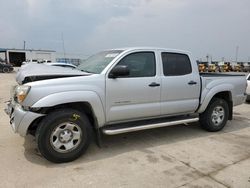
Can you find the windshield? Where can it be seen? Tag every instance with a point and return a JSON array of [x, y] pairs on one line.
[[98, 62]]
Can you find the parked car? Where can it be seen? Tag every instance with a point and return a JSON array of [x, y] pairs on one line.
[[228, 67], [118, 91], [44, 61], [29, 61], [220, 66], [248, 88], [212, 68], [6, 68], [246, 67], [202, 67], [66, 65], [234, 67]]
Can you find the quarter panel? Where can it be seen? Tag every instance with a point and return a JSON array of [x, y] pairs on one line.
[[213, 85], [207, 95]]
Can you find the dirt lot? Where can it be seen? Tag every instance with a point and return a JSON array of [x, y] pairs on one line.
[[168, 157]]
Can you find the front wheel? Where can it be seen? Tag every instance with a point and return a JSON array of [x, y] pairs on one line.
[[215, 116], [63, 135]]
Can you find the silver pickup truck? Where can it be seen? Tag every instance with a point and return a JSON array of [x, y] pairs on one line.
[[118, 91]]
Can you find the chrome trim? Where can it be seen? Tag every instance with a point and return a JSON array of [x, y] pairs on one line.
[[150, 126]]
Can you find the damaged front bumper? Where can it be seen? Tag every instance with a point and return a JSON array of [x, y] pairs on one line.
[[20, 119]]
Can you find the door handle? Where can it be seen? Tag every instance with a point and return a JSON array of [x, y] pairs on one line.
[[192, 82], [154, 84]]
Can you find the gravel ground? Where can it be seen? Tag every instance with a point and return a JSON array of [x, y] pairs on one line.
[[177, 156]]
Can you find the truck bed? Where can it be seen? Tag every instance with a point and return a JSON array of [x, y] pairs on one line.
[[207, 74], [233, 81]]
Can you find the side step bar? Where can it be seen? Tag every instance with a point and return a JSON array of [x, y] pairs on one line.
[[118, 130]]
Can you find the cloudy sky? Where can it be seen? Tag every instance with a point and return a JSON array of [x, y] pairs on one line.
[[214, 27]]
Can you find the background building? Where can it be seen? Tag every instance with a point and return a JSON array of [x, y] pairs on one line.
[[17, 56]]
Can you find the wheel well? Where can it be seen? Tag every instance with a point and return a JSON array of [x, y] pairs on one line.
[[227, 96], [80, 106]]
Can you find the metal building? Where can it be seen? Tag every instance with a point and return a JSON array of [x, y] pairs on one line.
[[17, 56]]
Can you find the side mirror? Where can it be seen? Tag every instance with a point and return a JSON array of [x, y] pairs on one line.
[[119, 71]]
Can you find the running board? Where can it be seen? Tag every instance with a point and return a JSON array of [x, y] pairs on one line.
[[116, 129]]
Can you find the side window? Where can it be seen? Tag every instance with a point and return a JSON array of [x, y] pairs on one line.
[[140, 64], [175, 64]]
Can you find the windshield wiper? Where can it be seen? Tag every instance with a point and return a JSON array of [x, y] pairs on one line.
[[86, 71]]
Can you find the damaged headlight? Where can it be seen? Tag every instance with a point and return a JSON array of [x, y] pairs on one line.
[[21, 92]]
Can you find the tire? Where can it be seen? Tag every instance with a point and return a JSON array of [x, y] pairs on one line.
[[6, 70], [215, 116], [64, 135], [248, 99]]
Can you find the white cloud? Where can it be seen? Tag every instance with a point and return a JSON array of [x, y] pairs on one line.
[[215, 27], [202, 27]]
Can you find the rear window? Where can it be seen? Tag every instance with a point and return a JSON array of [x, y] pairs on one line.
[[175, 64]]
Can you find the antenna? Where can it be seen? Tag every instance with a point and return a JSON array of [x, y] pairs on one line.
[[24, 42]]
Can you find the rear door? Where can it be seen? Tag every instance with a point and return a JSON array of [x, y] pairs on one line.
[[135, 96], [180, 86]]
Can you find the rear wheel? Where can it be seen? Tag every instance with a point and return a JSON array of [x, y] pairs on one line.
[[215, 116], [64, 135], [6, 70]]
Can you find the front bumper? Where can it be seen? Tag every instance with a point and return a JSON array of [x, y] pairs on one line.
[[20, 119]]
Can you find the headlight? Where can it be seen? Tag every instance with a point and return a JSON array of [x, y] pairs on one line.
[[21, 92]]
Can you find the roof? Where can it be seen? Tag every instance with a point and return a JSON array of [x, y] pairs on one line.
[[151, 48], [10, 49]]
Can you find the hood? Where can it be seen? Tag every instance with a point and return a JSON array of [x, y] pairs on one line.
[[35, 72]]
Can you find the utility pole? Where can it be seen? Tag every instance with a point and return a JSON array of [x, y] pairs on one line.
[[236, 54], [207, 56], [24, 42], [63, 47]]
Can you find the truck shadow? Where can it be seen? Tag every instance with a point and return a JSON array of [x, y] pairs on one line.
[[137, 141]]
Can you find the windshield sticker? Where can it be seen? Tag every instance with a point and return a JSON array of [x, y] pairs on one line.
[[112, 55]]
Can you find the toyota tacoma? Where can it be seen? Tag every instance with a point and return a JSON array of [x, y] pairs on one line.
[[118, 91]]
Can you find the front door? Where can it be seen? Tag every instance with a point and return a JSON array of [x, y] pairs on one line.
[[137, 95]]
